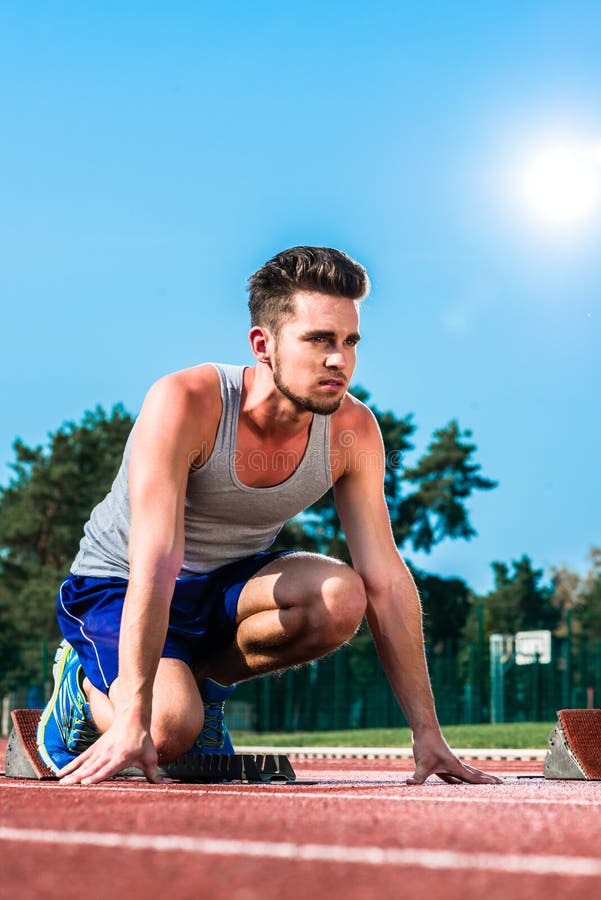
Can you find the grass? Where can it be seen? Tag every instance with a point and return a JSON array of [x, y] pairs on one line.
[[519, 735]]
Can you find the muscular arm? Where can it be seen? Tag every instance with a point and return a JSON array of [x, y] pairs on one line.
[[393, 607], [394, 610], [165, 443], [158, 472]]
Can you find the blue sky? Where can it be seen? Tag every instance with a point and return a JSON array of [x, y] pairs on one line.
[[154, 156]]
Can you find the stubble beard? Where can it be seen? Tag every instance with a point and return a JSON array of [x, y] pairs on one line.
[[324, 407]]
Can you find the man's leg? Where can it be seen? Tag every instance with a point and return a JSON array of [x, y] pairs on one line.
[[297, 608], [177, 710]]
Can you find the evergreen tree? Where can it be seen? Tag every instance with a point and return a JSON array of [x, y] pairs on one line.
[[518, 602], [589, 611], [444, 478], [446, 605], [42, 513]]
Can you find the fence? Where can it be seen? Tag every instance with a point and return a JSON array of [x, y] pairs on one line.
[[348, 689]]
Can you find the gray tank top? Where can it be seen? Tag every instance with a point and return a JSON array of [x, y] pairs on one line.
[[224, 520]]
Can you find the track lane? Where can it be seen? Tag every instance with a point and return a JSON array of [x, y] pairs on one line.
[[524, 838]]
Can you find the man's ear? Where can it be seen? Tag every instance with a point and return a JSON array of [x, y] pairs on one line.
[[261, 342]]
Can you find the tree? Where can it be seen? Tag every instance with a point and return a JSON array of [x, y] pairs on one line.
[[446, 605], [591, 616], [518, 602], [581, 596], [444, 478], [42, 512]]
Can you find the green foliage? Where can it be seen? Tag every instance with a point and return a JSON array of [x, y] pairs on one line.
[[446, 605], [518, 602], [363, 659], [589, 609], [42, 513], [444, 478]]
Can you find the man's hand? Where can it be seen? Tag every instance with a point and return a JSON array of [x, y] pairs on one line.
[[433, 756], [121, 747]]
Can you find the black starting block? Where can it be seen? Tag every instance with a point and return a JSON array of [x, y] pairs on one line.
[[245, 767], [23, 761]]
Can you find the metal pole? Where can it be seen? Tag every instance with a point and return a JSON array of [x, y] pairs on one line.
[[469, 687], [339, 710], [289, 700], [479, 667], [497, 710], [567, 670], [536, 688], [266, 704]]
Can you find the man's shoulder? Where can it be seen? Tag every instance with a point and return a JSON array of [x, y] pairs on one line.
[[353, 414], [202, 377], [181, 411], [184, 399], [188, 389], [355, 437]]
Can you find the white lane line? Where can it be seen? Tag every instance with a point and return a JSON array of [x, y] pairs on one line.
[[395, 753], [292, 793], [535, 864]]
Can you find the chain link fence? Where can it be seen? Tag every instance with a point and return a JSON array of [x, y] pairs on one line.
[[348, 689]]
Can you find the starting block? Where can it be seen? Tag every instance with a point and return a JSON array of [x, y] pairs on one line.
[[245, 767], [23, 761], [575, 746]]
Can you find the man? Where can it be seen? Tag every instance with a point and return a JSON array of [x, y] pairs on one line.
[[174, 586]]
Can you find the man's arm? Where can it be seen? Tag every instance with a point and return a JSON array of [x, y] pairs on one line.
[[163, 448], [393, 605]]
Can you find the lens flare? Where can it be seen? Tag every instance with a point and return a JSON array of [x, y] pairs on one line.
[[561, 184]]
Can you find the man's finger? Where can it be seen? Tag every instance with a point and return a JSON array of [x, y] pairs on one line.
[[476, 776], [423, 776], [154, 777], [88, 764], [94, 770], [456, 773], [111, 768], [85, 771], [75, 763], [101, 774], [420, 775], [450, 779]]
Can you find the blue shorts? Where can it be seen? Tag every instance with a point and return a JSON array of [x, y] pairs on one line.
[[202, 616]]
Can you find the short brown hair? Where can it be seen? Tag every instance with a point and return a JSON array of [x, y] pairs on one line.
[[271, 289]]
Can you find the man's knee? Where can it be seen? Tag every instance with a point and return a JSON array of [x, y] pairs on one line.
[[174, 735], [331, 615], [177, 711]]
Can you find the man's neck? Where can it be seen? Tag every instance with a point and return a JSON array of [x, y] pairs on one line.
[[267, 411]]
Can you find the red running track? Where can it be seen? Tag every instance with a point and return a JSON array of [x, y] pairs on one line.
[[357, 832]]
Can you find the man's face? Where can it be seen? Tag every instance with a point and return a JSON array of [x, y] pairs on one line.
[[315, 352]]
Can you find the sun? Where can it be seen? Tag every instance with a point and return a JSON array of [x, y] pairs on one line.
[[560, 184]]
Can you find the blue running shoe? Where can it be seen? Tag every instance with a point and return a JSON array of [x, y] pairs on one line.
[[66, 728], [214, 737]]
